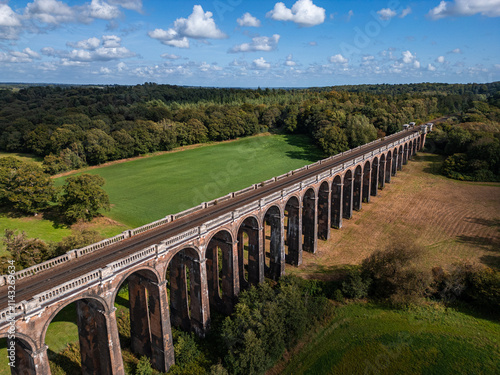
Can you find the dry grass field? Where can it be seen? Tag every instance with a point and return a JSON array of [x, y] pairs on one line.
[[452, 220]]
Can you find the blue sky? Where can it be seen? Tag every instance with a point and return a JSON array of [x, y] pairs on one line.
[[249, 43]]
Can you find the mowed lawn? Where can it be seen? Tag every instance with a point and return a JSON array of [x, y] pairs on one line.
[[368, 339], [146, 189]]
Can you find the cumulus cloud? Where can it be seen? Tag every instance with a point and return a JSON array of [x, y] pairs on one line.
[[259, 43], [26, 55], [289, 61], [431, 68], [8, 18], [102, 10], [386, 13], [440, 59], [338, 59], [456, 50], [409, 58], [248, 20], [93, 49], [50, 11], [199, 25], [260, 64], [457, 8], [303, 12]]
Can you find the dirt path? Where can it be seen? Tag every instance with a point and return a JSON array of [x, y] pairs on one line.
[[454, 220]]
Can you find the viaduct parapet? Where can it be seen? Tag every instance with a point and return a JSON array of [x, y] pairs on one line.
[[184, 266]]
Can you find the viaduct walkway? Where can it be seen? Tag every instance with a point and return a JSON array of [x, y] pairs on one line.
[[204, 256]]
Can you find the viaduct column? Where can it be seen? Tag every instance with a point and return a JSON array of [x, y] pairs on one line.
[[324, 214], [381, 174], [310, 222], [336, 202], [366, 183], [30, 362], [294, 233]]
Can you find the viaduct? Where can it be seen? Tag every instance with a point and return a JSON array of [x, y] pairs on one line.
[[220, 246]]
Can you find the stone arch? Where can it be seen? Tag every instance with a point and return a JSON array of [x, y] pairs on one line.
[[395, 161], [347, 195], [185, 273], [406, 151], [273, 241], [222, 275], [23, 354], [309, 221], [336, 203], [400, 158], [150, 332], [324, 211], [92, 313], [250, 260], [357, 188], [293, 231], [388, 167], [374, 176], [381, 172], [367, 172]]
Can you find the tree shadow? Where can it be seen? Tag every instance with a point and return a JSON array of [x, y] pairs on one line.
[[308, 151], [435, 163], [67, 364], [57, 218]]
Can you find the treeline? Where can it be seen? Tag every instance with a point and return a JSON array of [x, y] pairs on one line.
[[75, 126], [471, 143]]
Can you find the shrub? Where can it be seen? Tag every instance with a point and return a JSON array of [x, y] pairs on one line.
[[354, 286], [144, 367]]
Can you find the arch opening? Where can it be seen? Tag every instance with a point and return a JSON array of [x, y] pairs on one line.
[[309, 221], [381, 172], [324, 211], [293, 232], [357, 188], [336, 203], [249, 258], [367, 173], [274, 248], [347, 199]]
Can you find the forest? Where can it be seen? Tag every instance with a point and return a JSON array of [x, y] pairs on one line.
[[75, 126]]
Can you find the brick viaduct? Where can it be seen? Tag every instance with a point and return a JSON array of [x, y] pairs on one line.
[[274, 221]]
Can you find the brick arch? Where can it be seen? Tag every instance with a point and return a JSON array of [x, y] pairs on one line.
[[92, 313], [323, 210], [274, 265], [293, 230], [309, 220], [222, 279], [140, 269], [186, 299], [249, 225], [24, 348]]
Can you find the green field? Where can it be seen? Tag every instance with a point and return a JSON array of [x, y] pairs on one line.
[[369, 339], [147, 189]]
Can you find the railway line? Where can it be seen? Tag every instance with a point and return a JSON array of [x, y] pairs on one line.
[[30, 286]]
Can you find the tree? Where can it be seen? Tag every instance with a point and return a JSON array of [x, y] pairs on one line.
[[24, 186], [83, 197], [25, 251], [332, 140], [360, 131]]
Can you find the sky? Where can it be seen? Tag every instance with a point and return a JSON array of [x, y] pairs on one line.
[[249, 43]]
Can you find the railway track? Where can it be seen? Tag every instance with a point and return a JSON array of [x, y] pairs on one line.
[[27, 287]]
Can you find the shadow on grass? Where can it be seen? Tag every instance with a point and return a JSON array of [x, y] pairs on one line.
[[67, 364], [435, 163], [67, 314], [308, 151]]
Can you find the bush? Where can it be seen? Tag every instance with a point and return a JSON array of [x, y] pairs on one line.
[[354, 286], [144, 367]]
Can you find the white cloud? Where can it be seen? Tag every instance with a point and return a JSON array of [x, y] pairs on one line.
[[440, 59], [456, 50], [431, 68], [488, 8], [289, 61], [50, 11], [349, 15], [169, 56], [199, 25], [128, 4], [313, 44], [338, 59], [386, 13], [405, 12], [91, 43], [102, 10], [408, 57], [261, 64], [8, 17], [24, 56], [303, 12], [259, 43], [248, 20]]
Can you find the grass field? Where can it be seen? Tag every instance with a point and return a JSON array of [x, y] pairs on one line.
[[369, 339], [147, 189], [452, 220]]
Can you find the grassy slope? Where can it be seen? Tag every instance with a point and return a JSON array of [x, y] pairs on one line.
[[144, 190], [366, 339]]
